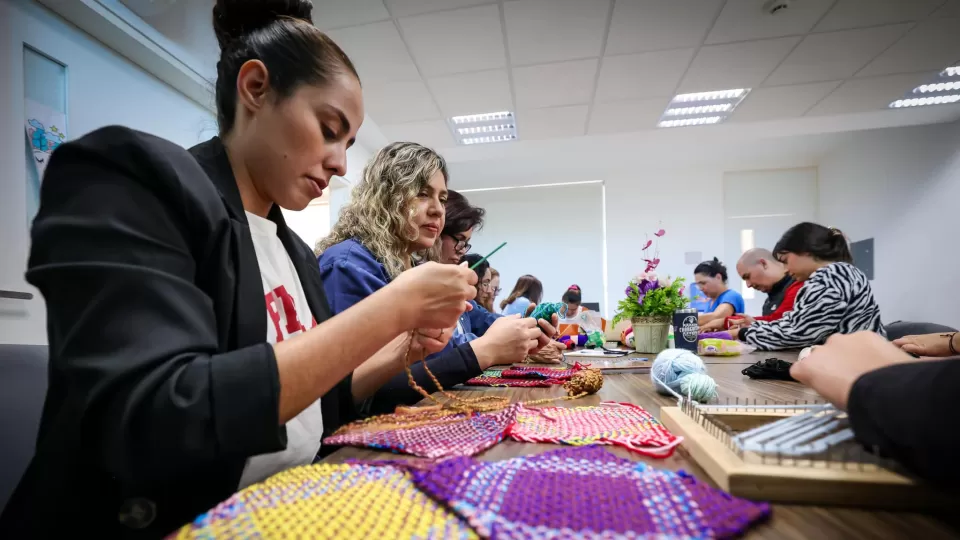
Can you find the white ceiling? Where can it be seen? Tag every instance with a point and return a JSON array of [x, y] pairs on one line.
[[574, 68]]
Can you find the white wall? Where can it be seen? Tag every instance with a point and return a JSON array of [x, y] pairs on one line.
[[902, 188], [687, 204], [551, 233], [102, 89]]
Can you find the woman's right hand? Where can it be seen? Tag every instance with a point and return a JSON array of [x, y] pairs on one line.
[[435, 295], [508, 340]]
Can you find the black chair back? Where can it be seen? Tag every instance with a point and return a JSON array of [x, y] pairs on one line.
[[23, 387], [898, 329]]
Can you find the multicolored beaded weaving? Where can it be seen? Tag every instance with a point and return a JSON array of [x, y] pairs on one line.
[[620, 424], [583, 493], [524, 376], [459, 434], [329, 501]]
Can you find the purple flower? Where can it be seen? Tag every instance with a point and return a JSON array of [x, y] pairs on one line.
[[628, 290], [681, 290], [647, 286], [640, 298]]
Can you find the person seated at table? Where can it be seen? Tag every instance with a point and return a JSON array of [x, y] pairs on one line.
[[896, 403], [711, 278], [482, 269], [486, 301], [761, 271], [192, 352], [835, 298], [527, 292], [937, 345], [460, 222], [571, 300], [392, 222]]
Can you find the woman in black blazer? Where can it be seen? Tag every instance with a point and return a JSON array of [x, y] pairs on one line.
[[163, 382]]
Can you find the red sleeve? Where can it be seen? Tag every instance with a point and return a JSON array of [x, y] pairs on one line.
[[786, 305]]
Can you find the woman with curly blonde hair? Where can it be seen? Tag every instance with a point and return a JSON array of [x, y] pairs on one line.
[[391, 224], [396, 211]]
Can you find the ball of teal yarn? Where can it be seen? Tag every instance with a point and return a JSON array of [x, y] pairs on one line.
[[546, 310], [684, 373], [699, 386]]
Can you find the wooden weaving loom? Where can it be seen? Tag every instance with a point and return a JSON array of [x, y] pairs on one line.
[[793, 453]]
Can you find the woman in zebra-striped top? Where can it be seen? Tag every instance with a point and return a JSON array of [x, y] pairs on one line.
[[835, 298]]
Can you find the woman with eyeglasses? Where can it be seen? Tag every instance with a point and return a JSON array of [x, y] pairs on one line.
[[462, 220], [489, 295], [397, 213]]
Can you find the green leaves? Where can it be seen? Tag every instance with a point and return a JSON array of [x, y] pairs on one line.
[[658, 301]]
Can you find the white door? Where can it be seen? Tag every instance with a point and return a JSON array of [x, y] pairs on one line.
[[759, 206]]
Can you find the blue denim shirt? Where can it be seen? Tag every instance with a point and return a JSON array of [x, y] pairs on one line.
[[351, 273]]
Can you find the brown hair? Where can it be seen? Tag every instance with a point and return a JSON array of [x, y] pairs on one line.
[[527, 286], [280, 34]]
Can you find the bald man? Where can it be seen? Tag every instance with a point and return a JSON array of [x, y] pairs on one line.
[[760, 270]]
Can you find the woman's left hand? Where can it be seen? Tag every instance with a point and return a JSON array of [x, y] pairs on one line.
[[549, 333], [428, 341]]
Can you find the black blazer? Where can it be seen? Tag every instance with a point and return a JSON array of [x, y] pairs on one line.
[[161, 380]]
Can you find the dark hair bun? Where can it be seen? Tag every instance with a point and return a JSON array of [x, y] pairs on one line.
[[233, 19]]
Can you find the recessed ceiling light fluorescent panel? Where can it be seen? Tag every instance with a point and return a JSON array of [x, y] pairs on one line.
[[945, 89], [484, 128], [702, 108]]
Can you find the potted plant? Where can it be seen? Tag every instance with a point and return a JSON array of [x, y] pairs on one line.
[[650, 303]]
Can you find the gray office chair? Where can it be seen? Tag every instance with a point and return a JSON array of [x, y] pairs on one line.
[[898, 329], [23, 387]]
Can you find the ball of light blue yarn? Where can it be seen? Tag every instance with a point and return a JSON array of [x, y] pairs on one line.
[[684, 373]]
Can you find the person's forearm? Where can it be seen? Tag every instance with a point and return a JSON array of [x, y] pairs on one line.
[[312, 363], [484, 352], [899, 409], [380, 368]]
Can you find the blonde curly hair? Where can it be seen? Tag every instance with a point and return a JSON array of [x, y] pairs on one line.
[[380, 211]]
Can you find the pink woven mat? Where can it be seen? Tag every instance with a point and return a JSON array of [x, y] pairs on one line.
[[524, 376], [620, 424], [466, 435]]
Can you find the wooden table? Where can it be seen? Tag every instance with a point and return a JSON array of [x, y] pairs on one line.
[[788, 521]]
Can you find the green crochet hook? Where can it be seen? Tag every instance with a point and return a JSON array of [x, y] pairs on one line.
[[476, 264]]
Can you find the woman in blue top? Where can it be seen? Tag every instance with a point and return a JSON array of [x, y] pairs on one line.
[[393, 221], [711, 278], [528, 291]]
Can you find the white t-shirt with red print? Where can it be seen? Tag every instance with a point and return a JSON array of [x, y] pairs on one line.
[[288, 314]]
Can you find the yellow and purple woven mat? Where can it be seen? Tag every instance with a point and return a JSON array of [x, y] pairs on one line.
[[329, 501]]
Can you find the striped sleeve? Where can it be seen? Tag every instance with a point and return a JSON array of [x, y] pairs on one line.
[[818, 312]]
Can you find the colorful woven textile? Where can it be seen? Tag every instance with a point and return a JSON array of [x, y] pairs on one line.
[[584, 493], [621, 424], [538, 372], [329, 501], [524, 376], [461, 435]]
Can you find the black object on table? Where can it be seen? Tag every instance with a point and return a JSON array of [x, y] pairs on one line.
[[771, 368]]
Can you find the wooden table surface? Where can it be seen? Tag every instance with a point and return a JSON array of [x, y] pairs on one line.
[[788, 521]]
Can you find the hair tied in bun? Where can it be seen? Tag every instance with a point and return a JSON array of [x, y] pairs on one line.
[[234, 19]]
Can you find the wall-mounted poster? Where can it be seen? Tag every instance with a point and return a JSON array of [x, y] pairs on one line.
[[46, 129]]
